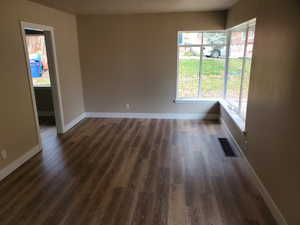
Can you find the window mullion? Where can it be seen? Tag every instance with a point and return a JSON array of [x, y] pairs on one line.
[[189, 45], [200, 69], [243, 70], [200, 72]]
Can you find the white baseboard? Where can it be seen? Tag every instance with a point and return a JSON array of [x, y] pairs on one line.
[[198, 116], [19, 162], [153, 115], [73, 122], [263, 191], [232, 139]]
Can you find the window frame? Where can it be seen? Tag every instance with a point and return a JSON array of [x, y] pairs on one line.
[[247, 26], [201, 46], [237, 110]]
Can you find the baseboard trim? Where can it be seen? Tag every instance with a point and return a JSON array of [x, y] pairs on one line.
[[19, 162], [73, 122], [198, 116], [231, 137], [262, 189]]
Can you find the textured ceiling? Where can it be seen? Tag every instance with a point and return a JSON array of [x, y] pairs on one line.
[[136, 6]]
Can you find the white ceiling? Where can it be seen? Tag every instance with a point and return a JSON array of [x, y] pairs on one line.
[[136, 6]]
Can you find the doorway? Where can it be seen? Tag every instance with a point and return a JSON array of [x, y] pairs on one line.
[[43, 77]]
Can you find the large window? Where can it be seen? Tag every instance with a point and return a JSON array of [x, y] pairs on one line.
[[214, 65], [201, 65], [239, 66]]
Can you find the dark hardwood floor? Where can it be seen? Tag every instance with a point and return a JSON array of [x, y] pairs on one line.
[[133, 172]]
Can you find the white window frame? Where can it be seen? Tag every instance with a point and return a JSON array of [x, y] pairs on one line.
[[246, 26], [198, 98], [237, 110]]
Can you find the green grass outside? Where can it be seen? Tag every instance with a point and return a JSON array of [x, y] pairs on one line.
[[212, 79]]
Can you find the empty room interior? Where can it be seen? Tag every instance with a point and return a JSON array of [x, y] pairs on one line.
[[136, 112]]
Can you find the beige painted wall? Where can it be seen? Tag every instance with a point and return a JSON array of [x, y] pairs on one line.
[[132, 59], [243, 11], [17, 128], [274, 106]]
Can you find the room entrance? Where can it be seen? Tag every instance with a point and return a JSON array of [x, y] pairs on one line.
[[40, 54]]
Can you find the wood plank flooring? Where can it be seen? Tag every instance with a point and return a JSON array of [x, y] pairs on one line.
[[133, 172]]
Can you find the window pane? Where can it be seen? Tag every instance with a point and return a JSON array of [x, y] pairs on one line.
[[238, 36], [251, 35], [247, 71], [234, 81], [38, 60], [235, 66], [188, 77], [213, 69], [214, 38], [190, 38]]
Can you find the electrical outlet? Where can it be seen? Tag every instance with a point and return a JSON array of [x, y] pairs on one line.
[[246, 145], [3, 154], [127, 106]]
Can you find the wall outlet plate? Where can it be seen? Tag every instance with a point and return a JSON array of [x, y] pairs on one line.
[[127, 106], [3, 154]]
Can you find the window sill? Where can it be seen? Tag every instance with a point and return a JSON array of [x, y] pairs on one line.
[[239, 122], [42, 86], [185, 101]]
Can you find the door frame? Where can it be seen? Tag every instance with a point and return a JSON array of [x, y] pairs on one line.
[[53, 73]]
